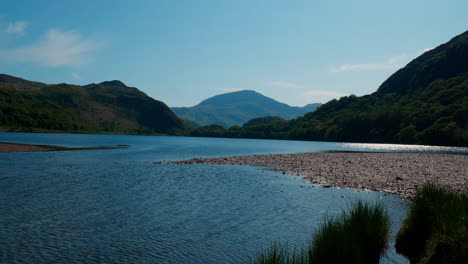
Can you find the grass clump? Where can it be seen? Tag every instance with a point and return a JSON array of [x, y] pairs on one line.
[[276, 254], [358, 236], [436, 230]]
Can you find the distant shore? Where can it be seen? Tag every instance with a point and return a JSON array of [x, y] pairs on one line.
[[6, 147], [397, 173]]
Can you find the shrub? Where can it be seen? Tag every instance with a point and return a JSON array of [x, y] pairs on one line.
[[436, 230]]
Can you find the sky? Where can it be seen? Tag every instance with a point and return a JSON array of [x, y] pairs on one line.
[[182, 52]]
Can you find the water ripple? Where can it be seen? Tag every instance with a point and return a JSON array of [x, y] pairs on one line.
[[112, 207]]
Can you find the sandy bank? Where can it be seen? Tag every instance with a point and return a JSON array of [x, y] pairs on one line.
[[10, 147], [16, 147], [397, 173]]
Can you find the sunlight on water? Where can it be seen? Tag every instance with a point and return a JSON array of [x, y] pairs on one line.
[[404, 148], [114, 206]]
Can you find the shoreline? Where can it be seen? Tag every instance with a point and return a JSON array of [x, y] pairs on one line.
[[396, 173], [8, 147]]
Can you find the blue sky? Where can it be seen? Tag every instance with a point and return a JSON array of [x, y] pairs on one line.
[[181, 52]]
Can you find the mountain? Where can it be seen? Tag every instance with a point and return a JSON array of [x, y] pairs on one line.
[[425, 102], [236, 108], [109, 106]]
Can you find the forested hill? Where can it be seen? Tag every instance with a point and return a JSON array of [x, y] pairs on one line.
[[107, 107], [236, 108], [426, 102]]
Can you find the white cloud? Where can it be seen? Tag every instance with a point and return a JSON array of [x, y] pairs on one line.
[[323, 93], [17, 27], [391, 63], [286, 85], [320, 96], [55, 48], [361, 67], [75, 75]]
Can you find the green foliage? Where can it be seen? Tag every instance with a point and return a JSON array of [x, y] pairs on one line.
[[263, 120], [358, 236], [209, 131], [436, 230], [20, 111], [108, 107], [426, 102]]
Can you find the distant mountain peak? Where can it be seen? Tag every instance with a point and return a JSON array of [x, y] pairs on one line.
[[236, 108], [114, 83], [234, 97], [245, 92]]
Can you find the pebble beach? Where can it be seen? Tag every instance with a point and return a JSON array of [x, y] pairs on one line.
[[396, 173]]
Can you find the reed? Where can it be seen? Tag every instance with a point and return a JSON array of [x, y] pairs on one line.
[[276, 254], [358, 236]]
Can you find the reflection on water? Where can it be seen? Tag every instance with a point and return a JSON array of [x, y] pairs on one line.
[[405, 148], [113, 206]]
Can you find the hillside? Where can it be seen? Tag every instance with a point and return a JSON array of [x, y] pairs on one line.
[[426, 102], [107, 107], [236, 108], [23, 112]]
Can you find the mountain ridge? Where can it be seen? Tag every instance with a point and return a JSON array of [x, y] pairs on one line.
[[109, 107], [425, 102], [238, 107]]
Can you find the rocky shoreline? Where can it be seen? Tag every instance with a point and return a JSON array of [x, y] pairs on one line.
[[396, 173]]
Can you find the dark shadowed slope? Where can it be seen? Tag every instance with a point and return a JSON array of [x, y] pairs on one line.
[[426, 102], [106, 107]]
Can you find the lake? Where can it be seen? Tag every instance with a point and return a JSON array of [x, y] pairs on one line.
[[116, 206]]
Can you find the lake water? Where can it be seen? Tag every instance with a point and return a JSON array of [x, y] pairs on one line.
[[114, 206]]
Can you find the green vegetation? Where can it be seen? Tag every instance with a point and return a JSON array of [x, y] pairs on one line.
[[426, 102], [108, 107], [236, 108], [436, 230], [277, 254], [19, 111], [359, 236], [263, 121]]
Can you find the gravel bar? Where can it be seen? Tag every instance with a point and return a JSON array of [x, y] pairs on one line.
[[396, 173], [10, 147], [7, 147]]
